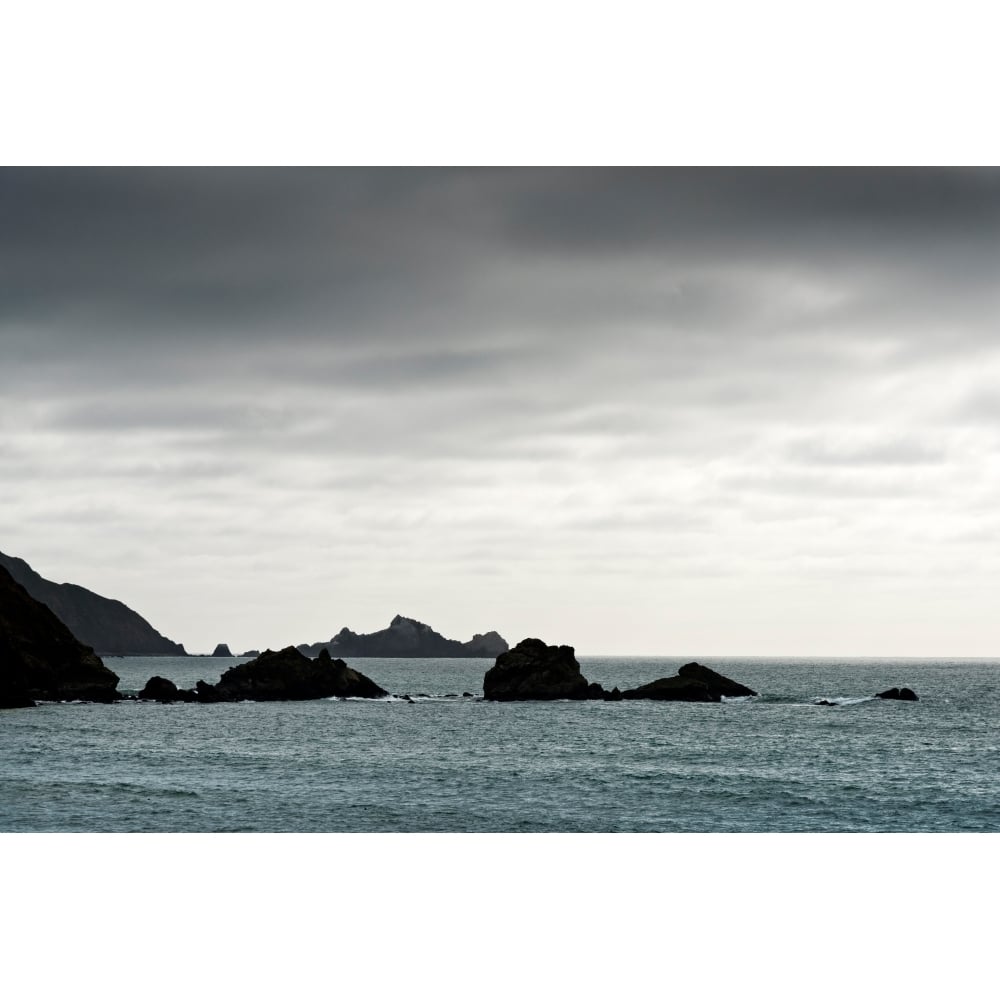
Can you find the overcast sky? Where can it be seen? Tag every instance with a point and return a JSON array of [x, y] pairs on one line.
[[679, 412]]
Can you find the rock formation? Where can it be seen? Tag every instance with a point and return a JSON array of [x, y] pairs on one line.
[[108, 626], [163, 690], [288, 675], [898, 694], [693, 682], [221, 650], [40, 658], [533, 671], [407, 637]]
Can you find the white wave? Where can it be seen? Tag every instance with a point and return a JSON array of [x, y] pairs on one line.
[[841, 700]]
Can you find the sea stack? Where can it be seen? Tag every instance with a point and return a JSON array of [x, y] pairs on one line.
[[533, 671], [221, 650]]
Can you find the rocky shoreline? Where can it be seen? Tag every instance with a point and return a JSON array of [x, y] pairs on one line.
[[40, 660]]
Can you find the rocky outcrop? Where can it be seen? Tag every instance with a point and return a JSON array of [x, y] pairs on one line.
[[108, 626], [534, 671], [407, 637], [163, 690], [288, 675], [41, 659], [250, 652], [693, 682], [898, 694], [221, 650]]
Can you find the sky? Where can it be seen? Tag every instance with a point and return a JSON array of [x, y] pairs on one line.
[[636, 411]]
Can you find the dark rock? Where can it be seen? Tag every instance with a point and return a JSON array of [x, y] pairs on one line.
[[39, 657], [672, 689], [468, 694], [221, 650], [533, 671], [693, 682], [207, 693], [595, 692], [288, 675], [406, 637], [406, 697], [489, 644], [898, 694], [823, 701], [107, 626], [159, 689], [715, 682], [613, 695], [251, 652]]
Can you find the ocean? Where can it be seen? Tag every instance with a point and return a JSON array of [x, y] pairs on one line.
[[445, 762]]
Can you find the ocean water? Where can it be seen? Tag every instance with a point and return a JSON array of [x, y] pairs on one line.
[[777, 762]]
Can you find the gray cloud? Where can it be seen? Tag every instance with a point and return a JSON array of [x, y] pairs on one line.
[[499, 398]]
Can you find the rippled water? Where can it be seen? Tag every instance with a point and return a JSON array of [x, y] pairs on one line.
[[777, 762]]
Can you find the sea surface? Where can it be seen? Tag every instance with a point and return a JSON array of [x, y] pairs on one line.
[[444, 762]]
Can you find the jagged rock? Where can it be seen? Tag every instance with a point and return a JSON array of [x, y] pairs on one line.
[[41, 659], [533, 671], [613, 695], [406, 637], [288, 675], [108, 626], [898, 694], [221, 650], [693, 682]]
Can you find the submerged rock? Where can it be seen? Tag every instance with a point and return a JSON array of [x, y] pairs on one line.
[[898, 694], [288, 675], [693, 682], [41, 659], [534, 671]]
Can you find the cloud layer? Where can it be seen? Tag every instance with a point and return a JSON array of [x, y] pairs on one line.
[[649, 411]]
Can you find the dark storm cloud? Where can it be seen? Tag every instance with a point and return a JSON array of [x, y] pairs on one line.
[[246, 254]]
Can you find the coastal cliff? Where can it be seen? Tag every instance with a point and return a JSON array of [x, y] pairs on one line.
[[40, 658], [106, 625]]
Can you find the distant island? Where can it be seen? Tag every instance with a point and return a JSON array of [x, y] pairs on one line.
[[109, 627], [406, 637]]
